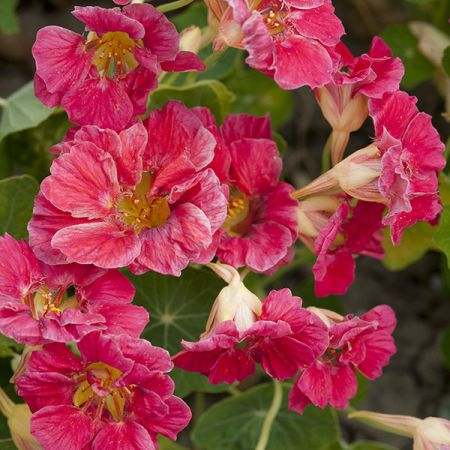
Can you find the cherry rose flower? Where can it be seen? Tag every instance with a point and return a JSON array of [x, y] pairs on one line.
[[292, 41], [115, 395], [400, 169], [337, 231], [356, 344], [344, 101], [260, 228], [104, 78], [41, 303], [143, 201], [241, 331]]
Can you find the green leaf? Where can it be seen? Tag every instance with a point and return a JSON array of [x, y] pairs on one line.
[[446, 61], [445, 346], [8, 444], [179, 307], [195, 14], [188, 382], [8, 347], [370, 445], [444, 185], [22, 110], [404, 45], [9, 22], [167, 444], [235, 424], [258, 94], [416, 241], [16, 204], [210, 93], [225, 65], [442, 236]]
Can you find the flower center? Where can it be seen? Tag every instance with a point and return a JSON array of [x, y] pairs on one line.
[[113, 53], [238, 216], [140, 211], [96, 389], [46, 300], [273, 21]]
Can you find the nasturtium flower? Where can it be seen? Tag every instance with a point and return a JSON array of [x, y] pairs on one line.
[[260, 228], [399, 169], [144, 199], [338, 230], [278, 334], [362, 344], [40, 303], [116, 394], [103, 78], [344, 101], [292, 41]]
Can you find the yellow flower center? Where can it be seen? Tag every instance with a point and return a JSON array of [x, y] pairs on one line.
[[114, 398], [238, 216], [46, 300], [141, 211], [273, 22], [113, 53]]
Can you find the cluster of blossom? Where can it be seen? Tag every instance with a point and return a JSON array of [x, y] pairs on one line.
[[175, 189]]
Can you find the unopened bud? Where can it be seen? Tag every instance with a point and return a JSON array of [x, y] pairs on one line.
[[234, 302], [191, 39]]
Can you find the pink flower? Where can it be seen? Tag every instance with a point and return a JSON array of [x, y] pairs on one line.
[[292, 41], [398, 170], [344, 100], [337, 232], [279, 334], [143, 200], [260, 228], [115, 395], [41, 303], [104, 79], [356, 344], [411, 157]]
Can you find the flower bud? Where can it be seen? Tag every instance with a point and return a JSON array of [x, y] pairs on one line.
[[191, 39], [18, 418], [357, 175], [432, 433], [234, 302], [343, 112]]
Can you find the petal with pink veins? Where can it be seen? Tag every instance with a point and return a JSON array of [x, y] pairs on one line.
[[93, 172], [99, 243]]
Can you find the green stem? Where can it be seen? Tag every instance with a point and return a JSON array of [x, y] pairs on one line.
[[6, 405], [174, 5], [326, 155], [270, 416]]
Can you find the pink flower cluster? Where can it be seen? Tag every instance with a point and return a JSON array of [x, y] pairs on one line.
[[325, 348], [175, 188]]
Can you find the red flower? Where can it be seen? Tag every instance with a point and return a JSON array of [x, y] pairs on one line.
[[337, 232], [356, 344], [260, 228], [279, 334], [104, 79], [41, 303], [115, 395], [143, 200], [399, 170], [344, 100], [292, 41]]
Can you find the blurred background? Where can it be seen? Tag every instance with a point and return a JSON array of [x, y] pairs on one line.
[[416, 282]]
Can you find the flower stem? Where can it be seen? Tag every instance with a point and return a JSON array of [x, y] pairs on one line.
[[174, 5], [6, 405], [326, 154], [270, 416]]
